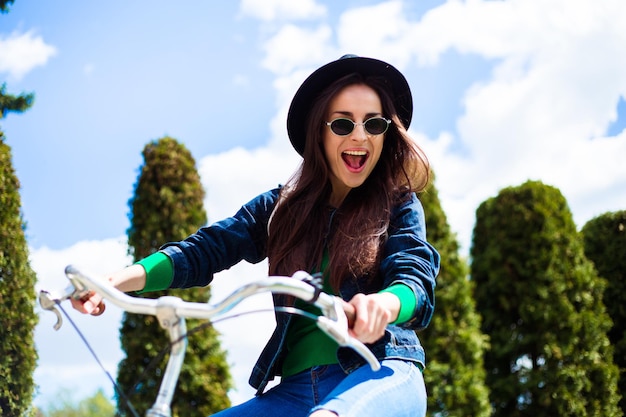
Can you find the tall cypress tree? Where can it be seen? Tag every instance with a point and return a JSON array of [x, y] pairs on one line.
[[18, 357], [454, 344], [541, 303], [168, 206], [604, 239]]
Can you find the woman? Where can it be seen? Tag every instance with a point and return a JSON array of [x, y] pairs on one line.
[[350, 212]]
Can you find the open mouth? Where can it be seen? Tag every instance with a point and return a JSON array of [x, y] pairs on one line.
[[354, 159]]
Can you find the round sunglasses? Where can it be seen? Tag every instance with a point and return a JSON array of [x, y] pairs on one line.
[[373, 126]]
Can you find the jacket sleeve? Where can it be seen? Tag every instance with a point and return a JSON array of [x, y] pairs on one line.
[[409, 259], [222, 244]]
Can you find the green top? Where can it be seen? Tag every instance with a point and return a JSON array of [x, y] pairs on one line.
[[303, 333], [159, 272]]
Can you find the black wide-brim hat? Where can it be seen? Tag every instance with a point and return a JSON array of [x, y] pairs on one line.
[[329, 73]]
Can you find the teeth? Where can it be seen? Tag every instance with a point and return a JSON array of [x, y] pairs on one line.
[[356, 153]]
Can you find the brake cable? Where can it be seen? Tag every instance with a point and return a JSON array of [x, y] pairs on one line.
[[153, 363]]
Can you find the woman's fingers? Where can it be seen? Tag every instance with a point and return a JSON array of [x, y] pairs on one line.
[[371, 318], [89, 304], [350, 313], [99, 309]]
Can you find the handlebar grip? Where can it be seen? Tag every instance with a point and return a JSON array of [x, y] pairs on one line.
[[350, 313]]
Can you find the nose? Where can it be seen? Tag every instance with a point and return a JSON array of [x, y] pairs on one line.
[[359, 133]]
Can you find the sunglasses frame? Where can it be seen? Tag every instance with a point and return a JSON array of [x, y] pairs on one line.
[[354, 125]]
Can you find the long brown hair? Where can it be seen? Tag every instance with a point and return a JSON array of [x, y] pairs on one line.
[[304, 225]]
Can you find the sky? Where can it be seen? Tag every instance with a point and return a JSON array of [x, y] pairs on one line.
[[504, 92]]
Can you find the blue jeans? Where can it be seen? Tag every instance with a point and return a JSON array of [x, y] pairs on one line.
[[396, 390]]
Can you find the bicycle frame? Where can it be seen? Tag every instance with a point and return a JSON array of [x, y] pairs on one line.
[[171, 313]]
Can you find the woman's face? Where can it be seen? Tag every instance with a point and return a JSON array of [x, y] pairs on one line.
[[351, 158]]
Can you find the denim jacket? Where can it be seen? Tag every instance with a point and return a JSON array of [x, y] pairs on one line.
[[407, 258]]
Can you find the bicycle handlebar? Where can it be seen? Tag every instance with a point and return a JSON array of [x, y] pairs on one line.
[[172, 312]]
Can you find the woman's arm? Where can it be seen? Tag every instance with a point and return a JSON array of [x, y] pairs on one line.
[[193, 261], [409, 260], [222, 244]]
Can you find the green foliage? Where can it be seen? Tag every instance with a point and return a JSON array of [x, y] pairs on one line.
[[8, 102], [541, 303], [604, 240], [454, 344], [97, 405], [18, 357], [12, 103], [168, 206], [4, 5]]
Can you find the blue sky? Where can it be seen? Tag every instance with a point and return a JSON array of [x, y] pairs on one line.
[[504, 91]]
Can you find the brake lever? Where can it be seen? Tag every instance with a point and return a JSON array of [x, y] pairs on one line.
[[49, 300]]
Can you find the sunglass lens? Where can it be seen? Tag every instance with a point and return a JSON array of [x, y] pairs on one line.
[[376, 126], [342, 127]]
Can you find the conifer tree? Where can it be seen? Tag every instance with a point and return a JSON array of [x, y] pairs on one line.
[[168, 206], [541, 304], [18, 357], [604, 240], [454, 344]]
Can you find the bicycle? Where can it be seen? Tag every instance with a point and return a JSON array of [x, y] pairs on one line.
[[172, 313]]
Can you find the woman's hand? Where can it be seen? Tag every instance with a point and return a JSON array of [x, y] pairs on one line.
[[90, 304], [373, 313], [132, 278]]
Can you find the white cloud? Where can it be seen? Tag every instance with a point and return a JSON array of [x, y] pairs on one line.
[[542, 115], [20, 53], [269, 10], [234, 177], [379, 31], [292, 47]]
